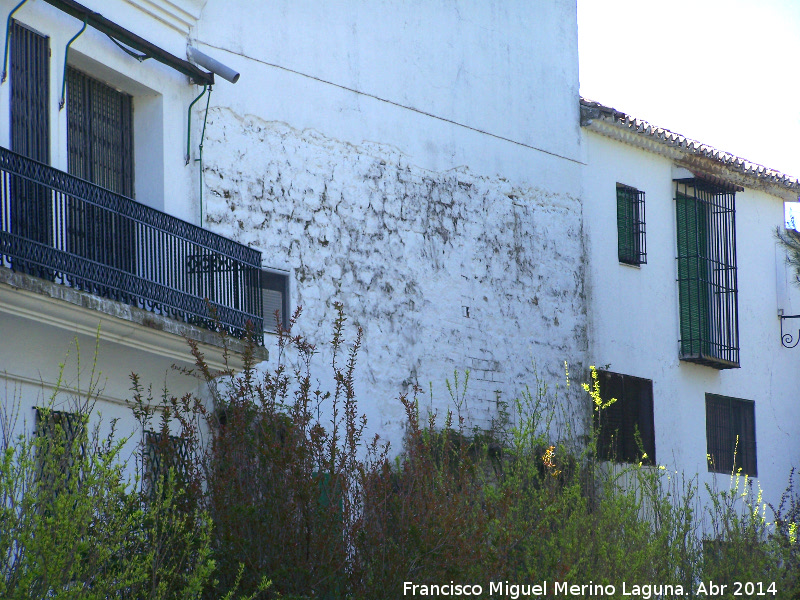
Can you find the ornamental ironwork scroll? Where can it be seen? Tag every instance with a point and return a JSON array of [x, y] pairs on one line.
[[788, 340]]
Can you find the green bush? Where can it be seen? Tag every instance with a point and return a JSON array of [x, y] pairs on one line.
[[273, 491], [323, 513], [74, 525]]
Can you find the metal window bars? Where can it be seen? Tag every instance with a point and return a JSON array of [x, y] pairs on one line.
[[631, 238], [163, 452], [150, 260], [730, 435], [99, 133], [707, 276], [62, 442]]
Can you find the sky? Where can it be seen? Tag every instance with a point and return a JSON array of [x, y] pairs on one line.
[[724, 72]]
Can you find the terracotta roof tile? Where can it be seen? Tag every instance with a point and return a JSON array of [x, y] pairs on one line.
[[594, 110]]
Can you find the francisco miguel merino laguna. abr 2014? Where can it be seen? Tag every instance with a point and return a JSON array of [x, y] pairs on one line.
[[518, 590]]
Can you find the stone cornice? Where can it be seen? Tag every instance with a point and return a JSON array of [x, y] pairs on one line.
[[180, 15], [66, 308]]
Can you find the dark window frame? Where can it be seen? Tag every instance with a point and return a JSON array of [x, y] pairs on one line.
[[100, 150], [631, 231], [707, 273], [727, 418], [100, 142], [276, 282], [162, 452], [30, 204], [60, 428], [620, 422]]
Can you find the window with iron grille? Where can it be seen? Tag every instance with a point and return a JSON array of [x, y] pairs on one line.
[[275, 297], [626, 427], [162, 453], [30, 205], [100, 150], [99, 133], [707, 284], [731, 435], [30, 87], [630, 226], [62, 441]]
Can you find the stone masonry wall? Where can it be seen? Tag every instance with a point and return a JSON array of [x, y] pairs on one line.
[[443, 270]]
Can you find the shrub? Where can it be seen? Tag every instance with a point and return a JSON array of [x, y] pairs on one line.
[[73, 524], [324, 513]]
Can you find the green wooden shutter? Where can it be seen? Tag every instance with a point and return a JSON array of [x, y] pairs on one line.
[[626, 226], [630, 225], [693, 281]]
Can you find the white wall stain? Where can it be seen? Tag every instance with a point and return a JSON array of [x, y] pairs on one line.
[[405, 249]]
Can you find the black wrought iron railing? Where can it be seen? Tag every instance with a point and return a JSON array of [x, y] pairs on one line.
[[64, 229]]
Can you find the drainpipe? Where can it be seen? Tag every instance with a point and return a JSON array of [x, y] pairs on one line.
[[63, 100], [216, 67], [189, 123], [200, 158], [8, 31]]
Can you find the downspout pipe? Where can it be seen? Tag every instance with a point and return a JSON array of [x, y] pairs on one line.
[[202, 139], [63, 100], [189, 124], [8, 31]]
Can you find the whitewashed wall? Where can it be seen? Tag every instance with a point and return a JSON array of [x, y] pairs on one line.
[[415, 162], [634, 319]]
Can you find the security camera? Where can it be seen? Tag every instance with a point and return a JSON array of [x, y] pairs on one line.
[[213, 65]]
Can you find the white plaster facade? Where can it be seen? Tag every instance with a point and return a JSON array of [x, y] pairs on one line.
[[403, 159], [43, 324], [634, 310], [419, 162], [424, 164]]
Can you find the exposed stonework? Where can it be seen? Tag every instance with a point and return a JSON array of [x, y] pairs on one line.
[[443, 270]]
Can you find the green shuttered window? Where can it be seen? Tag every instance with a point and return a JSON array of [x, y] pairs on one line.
[[630, 225], [707, 284]]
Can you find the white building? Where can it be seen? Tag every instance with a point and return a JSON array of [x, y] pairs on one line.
[[422, 163], [372, 154], [686, 286], [104, 99], [404, 159]]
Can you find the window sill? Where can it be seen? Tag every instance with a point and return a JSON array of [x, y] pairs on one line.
[[708, 360]]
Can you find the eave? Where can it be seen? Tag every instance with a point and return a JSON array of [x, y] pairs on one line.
[[699, 158], [132, 40]]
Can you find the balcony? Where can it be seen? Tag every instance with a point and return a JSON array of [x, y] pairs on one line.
[[60, 228]]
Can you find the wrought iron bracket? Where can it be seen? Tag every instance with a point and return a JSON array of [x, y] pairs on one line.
[[787, 339]]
